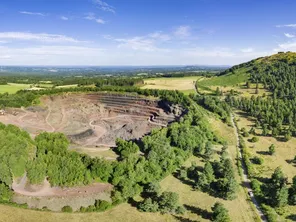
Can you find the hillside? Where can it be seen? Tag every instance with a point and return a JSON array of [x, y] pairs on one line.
[[241, 73]]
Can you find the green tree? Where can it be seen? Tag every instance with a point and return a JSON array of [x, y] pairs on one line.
[[148, 205], [209, 172], [271, 149], [5, 193], [220, 213], [168, 202]]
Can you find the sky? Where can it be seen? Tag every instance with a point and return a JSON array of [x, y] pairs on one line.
[[144, 32]]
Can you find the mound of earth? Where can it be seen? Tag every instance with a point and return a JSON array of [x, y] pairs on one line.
[[94, 120]]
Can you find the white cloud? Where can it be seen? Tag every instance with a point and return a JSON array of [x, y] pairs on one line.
[[147, 43], [64, 18], [136, 51], [202, 52], [289, 26], [33, 13], [5, 56], [247, 50], [183, 31], [287, 46], [42, 37], [288, 35], [137, 43], [51, 55], [100, 21], [160, 36], [92, 17], [104, 6]]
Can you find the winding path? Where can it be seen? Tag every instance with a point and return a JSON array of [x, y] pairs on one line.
[[46, 120], [246, 179]]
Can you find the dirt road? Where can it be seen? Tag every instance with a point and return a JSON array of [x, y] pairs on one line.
[[246, 180]]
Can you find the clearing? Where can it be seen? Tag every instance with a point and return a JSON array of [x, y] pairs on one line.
[[184, 84]]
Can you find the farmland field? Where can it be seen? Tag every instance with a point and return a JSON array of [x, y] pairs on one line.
[[13, 87], [185, 84]]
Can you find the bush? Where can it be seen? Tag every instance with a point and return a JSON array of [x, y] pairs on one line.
[[271, 149], [270, 213], [257, 160], [254, 139], [180, 210], [102, 205], [148, 205], [67, 209], [82, 209], [256, 186]]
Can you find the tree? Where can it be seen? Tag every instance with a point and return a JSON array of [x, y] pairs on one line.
[[220, 213], [148, 205], [252, 131], [257, 89], [183, 173], [258, 160], [248, 85], [202, 183], [288, 136], [209, 150], [271, 149], [168, 202], [153, 189], [277, 189], [5, 193], [218, 92], [292, 192], [254, 139], [209, 172]]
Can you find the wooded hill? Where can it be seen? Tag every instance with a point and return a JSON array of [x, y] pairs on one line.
[[277, 73]]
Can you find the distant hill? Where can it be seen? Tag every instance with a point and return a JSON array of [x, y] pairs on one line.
[[288, 58]]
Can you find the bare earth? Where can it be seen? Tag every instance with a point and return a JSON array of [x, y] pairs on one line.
[[54, 198], [91, 120]]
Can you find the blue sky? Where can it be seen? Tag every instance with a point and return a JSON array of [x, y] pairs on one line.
[[144, 32]]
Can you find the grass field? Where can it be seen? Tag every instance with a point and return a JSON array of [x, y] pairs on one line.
[[285, 152], [13, 87], [226, 80], [185, 84], [96, 152], [67, 86]]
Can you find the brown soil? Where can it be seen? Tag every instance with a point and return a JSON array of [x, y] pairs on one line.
[[93, 120], [54, 198], [45, 190]]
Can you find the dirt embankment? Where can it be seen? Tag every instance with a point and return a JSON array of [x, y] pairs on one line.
[[54, 198]]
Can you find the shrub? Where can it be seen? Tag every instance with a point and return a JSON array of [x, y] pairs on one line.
[[271, 149], [256, 186], [180, 210], [270, 213], [257, 160], [148, 205], [67, 209], [102, 205], [254, 139]]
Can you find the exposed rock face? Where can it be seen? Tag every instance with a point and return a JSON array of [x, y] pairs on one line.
[[94, 120]]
